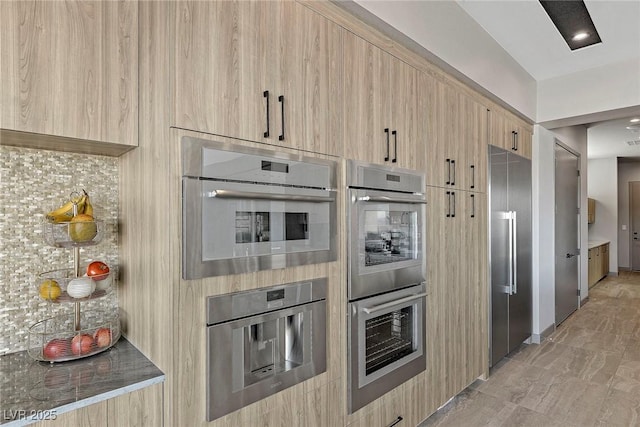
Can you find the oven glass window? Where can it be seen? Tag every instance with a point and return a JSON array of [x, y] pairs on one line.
[[252, 227], [389, 236], [389, 338]]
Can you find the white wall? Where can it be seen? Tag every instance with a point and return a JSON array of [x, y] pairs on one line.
[[603, 188], [543, 242], [599, 89], [627, 172], [448, 32]]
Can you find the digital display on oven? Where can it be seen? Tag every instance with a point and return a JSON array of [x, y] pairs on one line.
[[275, 166]]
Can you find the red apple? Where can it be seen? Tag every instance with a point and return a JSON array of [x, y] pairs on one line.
[[81, 344], [102, 337], [56, 349]]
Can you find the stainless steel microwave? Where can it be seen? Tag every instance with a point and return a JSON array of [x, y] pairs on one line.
[[247, 209]]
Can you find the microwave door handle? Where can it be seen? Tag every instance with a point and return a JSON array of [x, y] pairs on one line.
[[375, 308], [230, 194], [385, 199]]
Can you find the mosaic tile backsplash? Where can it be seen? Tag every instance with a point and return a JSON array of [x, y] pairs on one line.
[[33, 182]]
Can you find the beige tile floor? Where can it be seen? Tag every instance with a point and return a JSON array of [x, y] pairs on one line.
[[587, 373]]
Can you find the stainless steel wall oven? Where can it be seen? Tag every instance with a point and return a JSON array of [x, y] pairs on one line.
[[386, 273], [246, 209]]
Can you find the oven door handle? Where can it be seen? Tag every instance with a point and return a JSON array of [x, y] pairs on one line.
[[375, 308], [386, 199], [230, 194]]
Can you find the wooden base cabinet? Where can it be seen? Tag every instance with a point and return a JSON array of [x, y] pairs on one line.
[[267, 72], [598, 266], [69, 69], [511, 133], [384, 118], [457, 325]]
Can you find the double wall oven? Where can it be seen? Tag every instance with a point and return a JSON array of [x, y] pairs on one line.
[[386, 274]]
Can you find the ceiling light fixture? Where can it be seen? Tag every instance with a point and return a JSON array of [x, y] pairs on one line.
[[634, 120], [580, 36], [573, 21]]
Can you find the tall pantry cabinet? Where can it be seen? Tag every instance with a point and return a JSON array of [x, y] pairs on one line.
[[267, 72]]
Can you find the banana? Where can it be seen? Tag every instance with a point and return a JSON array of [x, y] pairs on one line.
[[65, 212], [88, 207]]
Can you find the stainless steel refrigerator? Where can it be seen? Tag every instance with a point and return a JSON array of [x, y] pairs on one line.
[[510, 207]]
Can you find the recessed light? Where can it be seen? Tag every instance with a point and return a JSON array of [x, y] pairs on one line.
[[634, 120], [580, 36]]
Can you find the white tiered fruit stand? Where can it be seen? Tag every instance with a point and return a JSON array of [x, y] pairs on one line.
[[78, 334]]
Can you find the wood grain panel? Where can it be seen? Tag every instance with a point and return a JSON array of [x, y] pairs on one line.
[[71, 69], [140, 408], [149, 209], [91, 416]]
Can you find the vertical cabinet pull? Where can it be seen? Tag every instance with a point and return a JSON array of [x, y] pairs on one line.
[[517, 140], [281, 101], [473, 206], [453, 166], [453, 196], [513, 140], [266, 95], [395, 146], [448, 172], [448, 204], [473, 176], [386, 130]]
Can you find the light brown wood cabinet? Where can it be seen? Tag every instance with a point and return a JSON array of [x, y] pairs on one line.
[[70, 70], [591, 211], [267, 72], [598, 266], [457, 334], [511, 133], [456, 146], [384, 118]]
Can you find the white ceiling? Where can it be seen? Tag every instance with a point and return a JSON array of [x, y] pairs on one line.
[[525, 31]]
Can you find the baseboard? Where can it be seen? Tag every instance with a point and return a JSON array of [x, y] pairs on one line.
[[538, 338]]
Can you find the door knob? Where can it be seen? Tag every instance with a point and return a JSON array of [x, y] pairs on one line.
[[570, 255]]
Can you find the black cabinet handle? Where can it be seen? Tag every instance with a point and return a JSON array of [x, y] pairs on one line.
[[473, 206], [448, 204], [453, 196], [281, 101], [395, 422], [448, 172], [395, 145], [266, 95], [473, 176], [517, 141], [386, 130], [453, 165], [513, 140]]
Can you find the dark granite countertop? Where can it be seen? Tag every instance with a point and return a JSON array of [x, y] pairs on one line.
[[31, 391]]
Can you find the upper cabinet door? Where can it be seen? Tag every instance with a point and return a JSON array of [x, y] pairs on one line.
[[473, 122], [367, 127], [219, 76], [261, 71], [508, 132], [384, 117], [70, 69]]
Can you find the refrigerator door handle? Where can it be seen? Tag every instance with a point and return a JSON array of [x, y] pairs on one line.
[[514, 257], [510, 218]]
